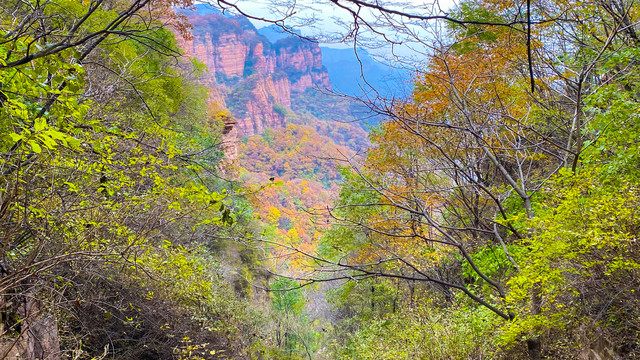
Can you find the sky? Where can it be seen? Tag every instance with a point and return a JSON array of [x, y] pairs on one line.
[[328, 23], [326, 17]]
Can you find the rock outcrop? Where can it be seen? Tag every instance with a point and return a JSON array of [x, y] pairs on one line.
[[230, 139], [256, 77]]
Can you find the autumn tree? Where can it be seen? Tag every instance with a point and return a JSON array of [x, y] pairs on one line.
[[109, 187], [459, 175]]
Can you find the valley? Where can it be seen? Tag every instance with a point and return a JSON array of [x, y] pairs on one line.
[[356, 180]]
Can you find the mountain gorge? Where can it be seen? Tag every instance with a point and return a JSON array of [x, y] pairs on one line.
[[180, 185]]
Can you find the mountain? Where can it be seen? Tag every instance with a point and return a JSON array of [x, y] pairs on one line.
[[346, 70], [348, 73], [257, 78], [275, 33]]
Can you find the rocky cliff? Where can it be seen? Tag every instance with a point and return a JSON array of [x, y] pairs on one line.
[[256, 77]]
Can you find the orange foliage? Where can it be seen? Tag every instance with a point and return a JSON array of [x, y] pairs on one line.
[[300, 161]]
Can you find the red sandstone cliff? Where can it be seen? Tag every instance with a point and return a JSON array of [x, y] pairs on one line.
[[256, 77]]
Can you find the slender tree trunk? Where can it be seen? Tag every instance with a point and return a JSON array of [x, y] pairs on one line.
[[534, 343]]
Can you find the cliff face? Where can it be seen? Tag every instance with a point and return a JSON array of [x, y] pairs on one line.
[[302, 62], [257, 78], [259, 110]]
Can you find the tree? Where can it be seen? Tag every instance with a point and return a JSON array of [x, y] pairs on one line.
[[457, 172], [107, 171]]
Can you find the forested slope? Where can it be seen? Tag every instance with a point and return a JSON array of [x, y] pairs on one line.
[[112, 209]]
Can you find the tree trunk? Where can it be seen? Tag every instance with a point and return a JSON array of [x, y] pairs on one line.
[[534, 344]]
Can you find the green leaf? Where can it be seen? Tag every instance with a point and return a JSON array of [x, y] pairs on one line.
[[40, 124], [16, 137], [73, 142], [35, 147]]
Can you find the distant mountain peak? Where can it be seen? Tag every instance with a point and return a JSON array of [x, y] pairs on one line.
[[275, 33]]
